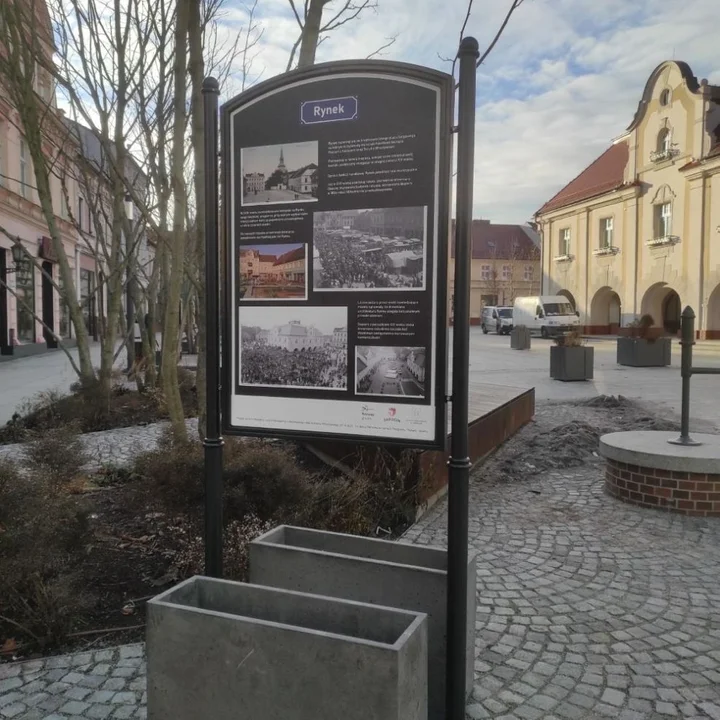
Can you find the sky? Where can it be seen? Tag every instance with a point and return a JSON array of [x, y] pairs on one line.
[[563, 81]]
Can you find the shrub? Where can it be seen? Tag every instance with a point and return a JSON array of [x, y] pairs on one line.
[[40, 526], [573, 338], [58, 453]]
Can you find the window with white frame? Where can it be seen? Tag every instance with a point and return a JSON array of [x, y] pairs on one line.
[[528, 273], [663, 220], [506, 272], [606, 233], [564, 248], [23, 168], [485, 272], [663, 141]]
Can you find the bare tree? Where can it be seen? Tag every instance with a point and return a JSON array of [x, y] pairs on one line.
[[314, 27], [26, 66]]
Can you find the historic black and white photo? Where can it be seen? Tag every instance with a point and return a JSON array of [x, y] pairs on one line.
[[393, 371], [372, 249], [274, 174], [273, 272], [294, 347]]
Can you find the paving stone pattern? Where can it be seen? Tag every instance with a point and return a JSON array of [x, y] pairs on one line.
[[114, 448], [85, 686], [588, 608]]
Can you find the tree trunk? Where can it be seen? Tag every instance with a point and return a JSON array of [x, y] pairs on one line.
[[197, 71], [311, 33], [178, 239]]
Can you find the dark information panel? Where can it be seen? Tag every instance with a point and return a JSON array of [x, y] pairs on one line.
[[336, 194]]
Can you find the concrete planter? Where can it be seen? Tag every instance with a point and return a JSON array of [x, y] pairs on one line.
[[230, 651], [371, 571], [570, 364], [639, 352], [520, 338]]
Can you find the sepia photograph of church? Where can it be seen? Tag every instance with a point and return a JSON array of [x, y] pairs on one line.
[[275, 174]]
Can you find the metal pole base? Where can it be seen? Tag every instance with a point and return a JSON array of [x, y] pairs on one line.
[[687, 441]]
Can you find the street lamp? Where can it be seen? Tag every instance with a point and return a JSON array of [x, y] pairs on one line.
[[129, 304], [17, 255]]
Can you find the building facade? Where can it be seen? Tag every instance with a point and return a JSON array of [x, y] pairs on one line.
[[29, 303], [296, 336], [254, 182], [290, 266], [638, 231], [505, 265], [304, 180]]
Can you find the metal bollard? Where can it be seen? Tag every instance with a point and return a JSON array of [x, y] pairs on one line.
[[687, 325]]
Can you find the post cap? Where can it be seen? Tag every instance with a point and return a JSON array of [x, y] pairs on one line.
[[469, 46], [688, 313], [210, 85]]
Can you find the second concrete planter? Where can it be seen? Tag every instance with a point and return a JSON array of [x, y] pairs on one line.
[[367, 570], [230, 651]]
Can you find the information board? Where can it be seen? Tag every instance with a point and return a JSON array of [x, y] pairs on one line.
[[335, 193]]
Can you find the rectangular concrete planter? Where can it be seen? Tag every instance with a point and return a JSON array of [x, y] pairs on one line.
[[520, 338], [231, 651], [570, 364], [381, 572], [639, 352]]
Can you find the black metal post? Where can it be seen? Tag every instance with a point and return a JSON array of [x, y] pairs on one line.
[[129, 303], [459, 463], [213, 441], [687, 340]]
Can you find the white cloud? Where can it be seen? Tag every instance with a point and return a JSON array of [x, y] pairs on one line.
[[563, 81]]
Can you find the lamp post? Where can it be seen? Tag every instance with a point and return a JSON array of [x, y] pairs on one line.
[[129, 288], [18, 254]]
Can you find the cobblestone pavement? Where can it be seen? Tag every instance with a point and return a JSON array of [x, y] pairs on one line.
[[112, 447], [86, 686], [587, 607]]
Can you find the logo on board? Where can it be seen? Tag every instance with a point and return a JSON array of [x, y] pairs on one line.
[[313, 112]]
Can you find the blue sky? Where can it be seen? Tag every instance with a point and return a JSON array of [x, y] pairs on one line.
[[563, 81]]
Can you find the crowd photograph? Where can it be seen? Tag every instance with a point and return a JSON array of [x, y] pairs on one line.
[[274, 174], [294, 347], [391, 371], [372, 249]]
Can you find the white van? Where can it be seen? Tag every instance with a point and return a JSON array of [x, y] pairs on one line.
[[546, 314]]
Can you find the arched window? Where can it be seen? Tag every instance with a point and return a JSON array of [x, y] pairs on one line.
[[665, 97], [663, 141]]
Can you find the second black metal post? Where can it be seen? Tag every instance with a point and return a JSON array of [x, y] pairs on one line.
[[459, 463], [687, 340], [213, 442]]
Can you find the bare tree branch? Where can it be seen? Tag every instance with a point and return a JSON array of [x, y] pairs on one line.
[[379, 51], [513, 7]]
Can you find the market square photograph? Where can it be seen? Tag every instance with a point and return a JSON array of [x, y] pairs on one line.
[[370, 249], [294, 347], [273, 272], [273, 174]]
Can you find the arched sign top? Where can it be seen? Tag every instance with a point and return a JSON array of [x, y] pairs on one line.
[[401, 71], [336, 183]]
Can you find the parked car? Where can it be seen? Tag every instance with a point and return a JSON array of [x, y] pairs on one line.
[[547, 314], [488, 318], [504, 323]]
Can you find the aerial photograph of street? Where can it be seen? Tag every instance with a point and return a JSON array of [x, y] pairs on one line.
[[392, 371]]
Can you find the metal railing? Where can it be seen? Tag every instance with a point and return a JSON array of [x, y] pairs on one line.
[[687, 331]]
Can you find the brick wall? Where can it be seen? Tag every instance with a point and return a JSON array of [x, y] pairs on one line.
[[682, 492]]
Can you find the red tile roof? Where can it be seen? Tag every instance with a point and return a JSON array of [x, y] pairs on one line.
[[267, 258], [603, 175], [296, 254], [502, 242]]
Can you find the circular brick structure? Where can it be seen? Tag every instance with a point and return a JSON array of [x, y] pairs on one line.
[[642, 468]]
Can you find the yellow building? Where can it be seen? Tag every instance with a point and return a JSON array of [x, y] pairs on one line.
[[638, 231], [505, 265]]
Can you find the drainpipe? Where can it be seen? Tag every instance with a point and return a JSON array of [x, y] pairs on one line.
[[588, 314], [701, 309], [638, 242]]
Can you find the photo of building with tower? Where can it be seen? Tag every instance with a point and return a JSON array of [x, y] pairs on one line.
[[280, 173]]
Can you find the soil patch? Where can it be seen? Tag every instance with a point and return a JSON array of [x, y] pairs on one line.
[[91, 411]]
